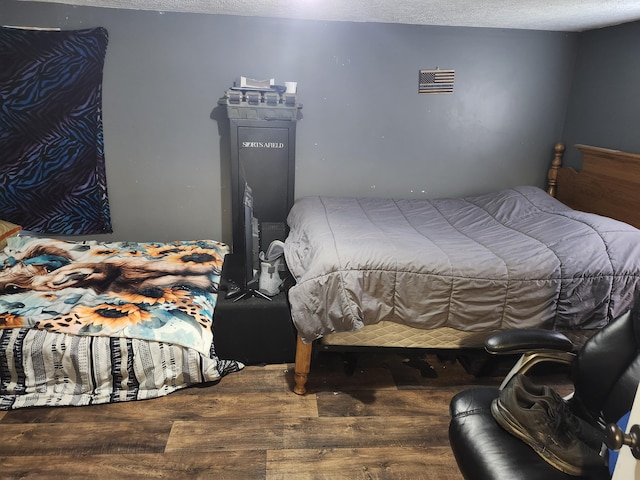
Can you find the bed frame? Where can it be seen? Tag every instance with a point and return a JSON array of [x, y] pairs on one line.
[[608, 184]]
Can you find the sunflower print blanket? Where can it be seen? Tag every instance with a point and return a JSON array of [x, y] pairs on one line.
[[149, 291]]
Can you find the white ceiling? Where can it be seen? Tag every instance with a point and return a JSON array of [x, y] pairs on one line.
[[559, 15]]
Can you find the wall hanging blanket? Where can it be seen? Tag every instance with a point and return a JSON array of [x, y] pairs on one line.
[[52, 171]]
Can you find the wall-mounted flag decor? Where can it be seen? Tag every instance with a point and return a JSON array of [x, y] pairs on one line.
[[436, 81]]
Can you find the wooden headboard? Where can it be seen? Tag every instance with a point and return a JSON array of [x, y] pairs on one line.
[[608, 184]]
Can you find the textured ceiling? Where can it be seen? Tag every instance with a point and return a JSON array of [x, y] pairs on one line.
[[559, 15]]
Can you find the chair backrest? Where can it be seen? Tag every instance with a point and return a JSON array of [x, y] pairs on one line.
[[607, 369]]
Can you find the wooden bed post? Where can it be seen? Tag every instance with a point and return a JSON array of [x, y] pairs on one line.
[[303, 365], [552, 174]]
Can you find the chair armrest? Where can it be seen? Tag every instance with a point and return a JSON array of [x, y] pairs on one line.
[[527, 340], [535, 345], [529, 359]]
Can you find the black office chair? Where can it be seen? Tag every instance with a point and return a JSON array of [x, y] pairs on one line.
[[605, 374]]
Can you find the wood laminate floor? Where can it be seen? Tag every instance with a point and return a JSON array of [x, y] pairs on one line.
[[388, 420]]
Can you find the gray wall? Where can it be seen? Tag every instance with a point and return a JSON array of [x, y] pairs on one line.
[[604, 107], [365, 129]]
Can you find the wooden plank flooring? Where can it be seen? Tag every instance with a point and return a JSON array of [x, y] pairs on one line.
[[386, 421]]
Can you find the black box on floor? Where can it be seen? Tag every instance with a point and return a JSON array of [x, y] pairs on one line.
[[252, 330]]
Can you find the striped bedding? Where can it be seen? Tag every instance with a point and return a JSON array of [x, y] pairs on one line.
[[44, 369]]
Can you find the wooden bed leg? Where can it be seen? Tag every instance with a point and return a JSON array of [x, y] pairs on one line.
[[552, 174], [303, 365]]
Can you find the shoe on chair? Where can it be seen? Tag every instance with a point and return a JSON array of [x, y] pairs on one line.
[[583, 430], [540, 422]]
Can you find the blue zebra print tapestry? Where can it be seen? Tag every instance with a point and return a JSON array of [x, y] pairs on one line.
[[52, 165]]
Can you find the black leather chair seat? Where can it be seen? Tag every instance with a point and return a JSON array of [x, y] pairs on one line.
[[605, 373], [485, 450]]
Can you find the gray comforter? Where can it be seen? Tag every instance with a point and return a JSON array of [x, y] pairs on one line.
[[512, 259]]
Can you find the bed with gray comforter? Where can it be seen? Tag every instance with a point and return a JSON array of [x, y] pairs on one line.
[[517, 258]]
